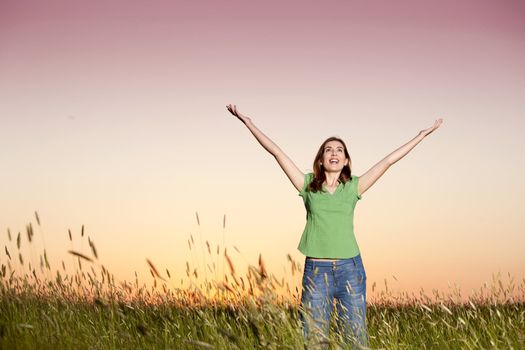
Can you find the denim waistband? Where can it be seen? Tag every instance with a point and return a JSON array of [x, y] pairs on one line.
[[336, 262]]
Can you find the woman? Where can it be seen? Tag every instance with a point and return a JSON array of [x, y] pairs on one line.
[[333, 266]]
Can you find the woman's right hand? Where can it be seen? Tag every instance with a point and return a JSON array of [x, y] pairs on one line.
[[233, 110]]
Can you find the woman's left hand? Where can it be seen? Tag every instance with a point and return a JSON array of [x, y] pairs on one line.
[[436, 125]]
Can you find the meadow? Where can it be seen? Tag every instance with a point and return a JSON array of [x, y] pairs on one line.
[[88, 308]]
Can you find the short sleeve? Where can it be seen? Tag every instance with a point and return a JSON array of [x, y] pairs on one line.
[[355, 186], [307, 179]]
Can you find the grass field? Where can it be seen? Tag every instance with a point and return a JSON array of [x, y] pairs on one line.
[[45, 308], [33, 322]]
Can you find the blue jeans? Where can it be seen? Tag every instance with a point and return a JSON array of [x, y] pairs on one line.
[[344, 281]]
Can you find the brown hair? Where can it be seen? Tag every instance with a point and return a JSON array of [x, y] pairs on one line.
[[319, 175]]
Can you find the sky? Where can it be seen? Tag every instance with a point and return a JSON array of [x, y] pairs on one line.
[[112, 116]]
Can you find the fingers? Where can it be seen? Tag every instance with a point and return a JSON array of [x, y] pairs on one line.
[[436, 125], [232, 109]]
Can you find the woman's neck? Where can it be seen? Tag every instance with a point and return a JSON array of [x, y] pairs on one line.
[[332, 179]]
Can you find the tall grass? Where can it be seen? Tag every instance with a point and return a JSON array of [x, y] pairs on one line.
[[87, 307]]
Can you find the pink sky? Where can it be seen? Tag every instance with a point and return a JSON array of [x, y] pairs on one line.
[[112, 115]]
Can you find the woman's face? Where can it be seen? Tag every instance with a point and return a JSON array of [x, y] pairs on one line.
[[334, 159]]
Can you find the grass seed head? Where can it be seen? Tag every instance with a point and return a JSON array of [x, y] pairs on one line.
[[46, 261], [80, 255], [154, 270], [229, 261], [93, 248], [29, 231], [262, 267]]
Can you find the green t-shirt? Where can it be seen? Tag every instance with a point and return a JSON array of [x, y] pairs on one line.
[[329, 230]]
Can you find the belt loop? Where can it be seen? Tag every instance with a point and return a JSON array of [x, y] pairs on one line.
[[353, 259]]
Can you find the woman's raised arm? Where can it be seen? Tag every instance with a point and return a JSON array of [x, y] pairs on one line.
[[295, 175], [372, 175]]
